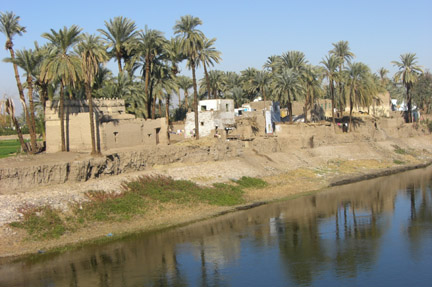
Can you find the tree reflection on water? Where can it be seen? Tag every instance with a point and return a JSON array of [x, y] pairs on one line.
[[337, 234]]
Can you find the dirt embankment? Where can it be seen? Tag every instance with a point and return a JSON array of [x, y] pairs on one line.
[[314, 158]]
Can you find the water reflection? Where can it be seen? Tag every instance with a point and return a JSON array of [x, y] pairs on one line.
[[332, 237]]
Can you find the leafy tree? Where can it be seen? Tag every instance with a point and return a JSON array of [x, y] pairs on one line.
[[407, 75], [120, 33], [422, 92], [92, 53], [192, 44], [62, 64], [247, 79]]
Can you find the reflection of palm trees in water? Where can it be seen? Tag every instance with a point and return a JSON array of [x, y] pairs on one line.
[[420, 220]]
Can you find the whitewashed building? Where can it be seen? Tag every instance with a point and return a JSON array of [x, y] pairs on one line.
[[212, 114]]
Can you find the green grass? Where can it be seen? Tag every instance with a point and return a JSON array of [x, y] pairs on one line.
[[251, 182], [399, 150], [134, 199], [396, 161], [41, 223], [9, 147]]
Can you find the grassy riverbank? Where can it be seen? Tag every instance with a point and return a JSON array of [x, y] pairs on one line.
[[134, 200]]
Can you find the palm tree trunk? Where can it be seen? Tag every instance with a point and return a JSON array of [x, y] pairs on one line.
[[43, 98], [207, 80], [167, 103], [195, 101], [119, 62], [21, 92], [91, 116], [62, 115], [146, 87], [333, 102], [409, 104], [160, 107], [32, 115], [11, 111], [290, 109], [186, 95], [351, 109]]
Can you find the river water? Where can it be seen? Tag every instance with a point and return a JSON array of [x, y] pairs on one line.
[[372, 233]]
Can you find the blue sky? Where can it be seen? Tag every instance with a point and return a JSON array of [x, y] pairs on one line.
[[247, 32]]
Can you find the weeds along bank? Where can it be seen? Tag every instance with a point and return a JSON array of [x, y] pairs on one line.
[[302, 141]]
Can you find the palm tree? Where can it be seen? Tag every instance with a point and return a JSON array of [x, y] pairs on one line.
[[247, 78], [92, 53], [207, 56], [262, 80], [383, 74], [151, 44], [28, 61], [331, 64], [312, 81], [185, 83], [295, 60], [192, 44], [9, 26], [174, 54], [408, 74], [10, 109], [286, 84], [361, 89], [62, 64], [121, 34], [342, 51]]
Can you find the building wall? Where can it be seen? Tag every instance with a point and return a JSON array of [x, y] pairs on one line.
[[211, 113], [113, 127]]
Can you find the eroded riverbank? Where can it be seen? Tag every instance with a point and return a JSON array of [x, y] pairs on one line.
[[315, 173]]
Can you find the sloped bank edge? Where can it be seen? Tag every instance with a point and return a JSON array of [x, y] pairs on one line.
[[61, 248]]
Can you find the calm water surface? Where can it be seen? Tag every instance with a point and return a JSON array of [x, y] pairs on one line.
[[374, 233]]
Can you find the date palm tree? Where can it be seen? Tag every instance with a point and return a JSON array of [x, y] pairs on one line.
[[151, 44], [312, 81], [286, 84], [120, 33], [361, 88], [185, 83], [28, 61], [342, 51], [407, 75], [10, 27], [192, 44], [262, 80], [92, 53], [62, 64], [10, 109], [331, 64], [207, 56]]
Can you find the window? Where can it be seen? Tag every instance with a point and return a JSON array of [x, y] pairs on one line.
[[203, 108], [226, 107], [202, 123]]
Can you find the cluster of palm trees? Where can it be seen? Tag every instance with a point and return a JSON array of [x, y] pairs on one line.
[[71, 64]]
